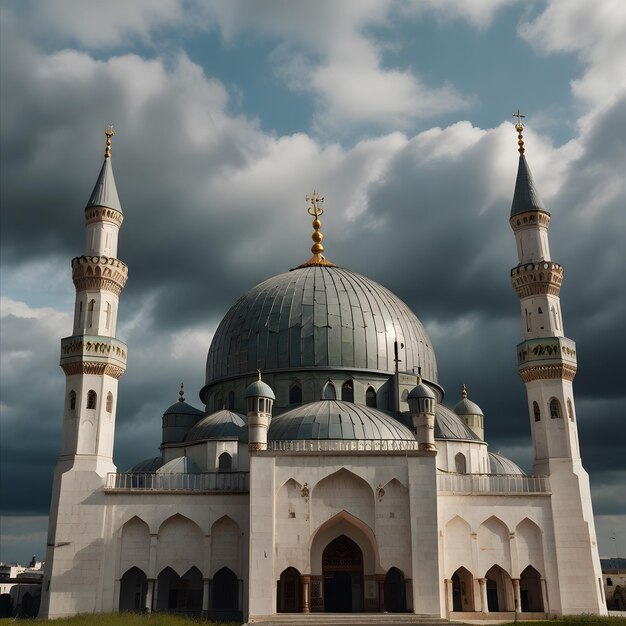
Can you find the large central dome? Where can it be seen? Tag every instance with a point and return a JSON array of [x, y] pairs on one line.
[[319, 317]]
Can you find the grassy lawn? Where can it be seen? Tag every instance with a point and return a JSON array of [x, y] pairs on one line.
[[123, 619]]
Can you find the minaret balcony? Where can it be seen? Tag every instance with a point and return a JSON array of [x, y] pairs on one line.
[[99, 273], [102, 353], [533, 279], [546, 357]]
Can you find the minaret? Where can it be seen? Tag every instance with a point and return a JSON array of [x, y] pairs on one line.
[[547, 365], [93, 361]]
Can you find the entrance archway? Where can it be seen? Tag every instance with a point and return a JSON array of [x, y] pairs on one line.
[[462, 590], [342, 569], [288, 597], [395, 591], [530, 590], [133, 587], [499, 590]]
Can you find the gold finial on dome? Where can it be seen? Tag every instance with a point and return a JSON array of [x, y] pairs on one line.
[[519, 127], [109, 131], [181, 393], [259, 373], [315, 210], [464, 391]]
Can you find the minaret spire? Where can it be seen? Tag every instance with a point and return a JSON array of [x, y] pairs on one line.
[[316, 211], [109, 132]]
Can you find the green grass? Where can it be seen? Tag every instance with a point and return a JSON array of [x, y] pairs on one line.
[[123, 619]]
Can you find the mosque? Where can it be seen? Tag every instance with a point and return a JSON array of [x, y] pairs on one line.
[[327, 471]]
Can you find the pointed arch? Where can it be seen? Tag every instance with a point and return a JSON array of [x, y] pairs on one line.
[[231, 400], [329, 392], [499, 589], [529, 544], [133, 590], [347, 391], [288, 592], [295, 393], [555, 409], [493, 544], [395, 591], [570, 409], [92, 399], [109, 403], [177, 554], [462, 590], [460, 463], [72, 400], [90, 311], [457, 545], [225, 462], [226, 538], [370, 397], [225, 590], [536, 412], [135, 544], [530, 591]]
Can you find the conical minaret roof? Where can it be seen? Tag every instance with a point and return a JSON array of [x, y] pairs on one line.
[[526, 197], [105, 192]]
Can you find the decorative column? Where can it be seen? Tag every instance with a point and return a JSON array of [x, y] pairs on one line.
[[484, 605], [545, 596], [449, 597], [517, 595], [155, 595], [305, 583], [205, 597], [149, 594]]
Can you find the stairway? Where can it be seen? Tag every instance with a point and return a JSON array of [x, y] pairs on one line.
[[347, 619]]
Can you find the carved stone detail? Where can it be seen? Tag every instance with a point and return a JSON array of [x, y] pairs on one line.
[[257, 446], [562, 371], [529, 218], [103, 214], [532, 279], [90, 367], [99, 273], [106, 348]]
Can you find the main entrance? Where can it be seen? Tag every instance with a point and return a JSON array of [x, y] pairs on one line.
[[342, 570]]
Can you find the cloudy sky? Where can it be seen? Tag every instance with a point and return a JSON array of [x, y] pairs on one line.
[[228, 113]]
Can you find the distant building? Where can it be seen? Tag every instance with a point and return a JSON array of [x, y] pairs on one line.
[[341, 481], [614, 575], [20, 589]]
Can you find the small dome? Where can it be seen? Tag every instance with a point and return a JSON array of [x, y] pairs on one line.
[[220, 425], [422, 391], [466, 406], [259, 389], [499, 464], [180, 465], [334, 419], [147, 465], [182, 408], [448, 425]]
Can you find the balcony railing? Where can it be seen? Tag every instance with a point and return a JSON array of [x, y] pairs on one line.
[[492, 484], [213, 482], [340, 445]]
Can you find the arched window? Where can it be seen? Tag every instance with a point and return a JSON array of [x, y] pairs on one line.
[[570, 409], [72, 400], [370, 397], [92, 399], [295, 394], [80, 314], [347, 391], [555, 409], [90, 308], [536, 412], [329, 393], [460, 463], [231, 400], [218, 403], [225, 462], [109, 403], [108, 315]]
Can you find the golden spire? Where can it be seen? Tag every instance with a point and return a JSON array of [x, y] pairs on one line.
[[519, 127], [109, 131], [315, 210], [259, 373], [181, 393], [464, 391]]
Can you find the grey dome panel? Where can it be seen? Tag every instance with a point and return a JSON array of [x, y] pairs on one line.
[[180, 465], [219, 425], [259, 389], [467, 407], [318, 317], [147, 465], [334, 419], [105, 192], [525, 197], [499, 464], [182, 408], [448, 425]]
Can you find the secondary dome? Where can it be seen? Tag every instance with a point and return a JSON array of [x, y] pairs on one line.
[[319, 316], [219, 425], [333, 419]]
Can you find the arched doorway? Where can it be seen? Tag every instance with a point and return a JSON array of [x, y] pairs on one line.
[[288, 598], [462, 590], [133, 587], [499, 590], [342, 569], [225, 590], [395, 591], [530, 590]]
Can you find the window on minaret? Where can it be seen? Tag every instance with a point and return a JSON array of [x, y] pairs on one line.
[[109, 404], [108, 315], [72, 400], [536, 412], [90, 309], [92, 399], [80, 314], [460, 463], [347, 391], [370, 397], [555, 409], [295, 394], [570, 409]]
